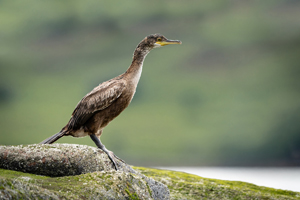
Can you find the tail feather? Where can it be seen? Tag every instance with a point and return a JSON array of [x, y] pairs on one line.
[[53, 138]]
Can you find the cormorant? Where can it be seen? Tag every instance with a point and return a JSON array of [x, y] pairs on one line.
[[109, 99]]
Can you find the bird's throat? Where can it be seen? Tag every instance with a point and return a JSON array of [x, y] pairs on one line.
[[136, 66], [135, 69], [134, 72], [139, 55]]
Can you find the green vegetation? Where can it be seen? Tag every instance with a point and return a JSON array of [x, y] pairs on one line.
[[229, 95], [100, 184], [188, 186]]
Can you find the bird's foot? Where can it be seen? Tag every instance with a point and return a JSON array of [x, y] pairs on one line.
[[119, 158], [110, 154], [112, 157]]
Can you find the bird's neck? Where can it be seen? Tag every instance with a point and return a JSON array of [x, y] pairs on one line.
[[135, 69]]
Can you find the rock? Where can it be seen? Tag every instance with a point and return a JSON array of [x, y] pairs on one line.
[[123, 185], [57, 159], [99, 180], [189, 186], [64, 160]]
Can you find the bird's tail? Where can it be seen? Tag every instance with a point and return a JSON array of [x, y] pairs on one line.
[[53, 138]]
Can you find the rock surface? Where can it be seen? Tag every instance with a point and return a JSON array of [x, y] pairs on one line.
[[63, 160], [189, 186], [136, 183], [118, 185], [57, 159]]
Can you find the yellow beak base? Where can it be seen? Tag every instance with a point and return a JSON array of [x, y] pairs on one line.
[[167, 42]]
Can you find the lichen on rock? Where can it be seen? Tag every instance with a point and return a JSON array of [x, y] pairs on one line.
[[91, 175], [96, 185], [57, 159], [85, 171], [187, 186]]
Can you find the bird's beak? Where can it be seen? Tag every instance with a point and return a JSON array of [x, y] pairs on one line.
[[163, 43]]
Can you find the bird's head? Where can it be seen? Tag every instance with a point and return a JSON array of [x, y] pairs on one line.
[[156, 40], [150, 42]]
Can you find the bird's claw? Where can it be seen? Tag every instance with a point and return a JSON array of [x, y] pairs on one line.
[[112, 157], [119, 158]]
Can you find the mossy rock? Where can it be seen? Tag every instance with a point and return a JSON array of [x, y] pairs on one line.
[[57, 159], [64, 171], [188, 186], [72, 163], [121, 185], [96, 185]]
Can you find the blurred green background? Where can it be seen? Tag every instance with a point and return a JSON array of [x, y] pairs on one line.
[[229, 95]]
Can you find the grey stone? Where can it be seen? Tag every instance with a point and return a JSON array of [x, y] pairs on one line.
[[60, 160]]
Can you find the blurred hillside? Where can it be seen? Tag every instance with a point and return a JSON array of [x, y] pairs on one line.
[[229, 95]]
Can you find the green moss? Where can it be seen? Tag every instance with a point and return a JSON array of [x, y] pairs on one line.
[[181, 185], [96, 185], [188, 186], [133, 196], [13, 174], [149, 190]]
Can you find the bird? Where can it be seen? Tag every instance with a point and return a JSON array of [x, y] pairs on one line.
[[107, 100]]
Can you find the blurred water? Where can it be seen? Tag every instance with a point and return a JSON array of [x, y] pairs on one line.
[[279, 178]]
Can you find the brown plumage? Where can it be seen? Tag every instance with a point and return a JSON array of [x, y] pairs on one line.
[[109, 99]]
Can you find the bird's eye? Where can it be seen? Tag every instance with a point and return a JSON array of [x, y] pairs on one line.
[[159, 39]]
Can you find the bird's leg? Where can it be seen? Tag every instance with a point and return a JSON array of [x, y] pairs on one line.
[[110, 154]]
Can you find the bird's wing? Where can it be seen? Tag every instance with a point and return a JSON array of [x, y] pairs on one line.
[[98, 99]]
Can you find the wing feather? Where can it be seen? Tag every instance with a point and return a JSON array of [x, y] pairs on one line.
[[98, 99]]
